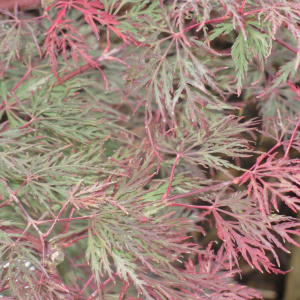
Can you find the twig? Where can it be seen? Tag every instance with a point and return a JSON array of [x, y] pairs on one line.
[[224, 18], [199, 191], [31, 222], [105, 56], [165, 195], [63, 220], [191, 206], [286, 155], [15, 198], [56, 219], [86, 284]]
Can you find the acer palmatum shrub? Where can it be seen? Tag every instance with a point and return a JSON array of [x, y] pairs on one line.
[[124, 141]]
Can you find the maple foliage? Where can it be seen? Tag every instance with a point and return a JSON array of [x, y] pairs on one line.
[[125, 141]]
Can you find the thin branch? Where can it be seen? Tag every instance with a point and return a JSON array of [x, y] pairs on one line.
[[165, 195], [19, 203], [216, 20], [28, 218], [199, 191], [148, 131], [24, 235], [56, 219], [282, 43], [69, 220], [95, 293], [258, 161], [86, 67], [86, 284], [22, 79], [22, 4], [243, 6], [225, 18], [63, 220], [66, 242], [286, 155], [72, 74], [191, 206]]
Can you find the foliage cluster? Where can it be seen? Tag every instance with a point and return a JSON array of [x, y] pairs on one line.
[[124, 140]]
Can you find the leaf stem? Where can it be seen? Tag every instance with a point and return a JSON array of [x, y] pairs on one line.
[[105, 56], [86, 284], [75, 238], [224, 18], [56, 219], [65, 219], [240, 180], [30, 221], [22, 79], [199, 191], [15, 198], [282, 43], [69, 220], [286, 155], [191, 206], [243, 6], [165, 195]]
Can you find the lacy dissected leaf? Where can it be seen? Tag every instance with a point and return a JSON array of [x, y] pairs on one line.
[[131, 252], [15, 261], [12, 38], [245, 229], [280, 100], [127, 249], [232, 7], [282, 14], [209, 146], [274, 180], [63, 34], [56, 111], [54, 46], [130, 208], [212, 273], [48, 177], [172, 68], [256, 45], [91, 196], [286, 72], [206, 276], [194, 10], [277, 16], [281, 129]]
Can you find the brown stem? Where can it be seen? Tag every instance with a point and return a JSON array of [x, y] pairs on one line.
[[73, 241]]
